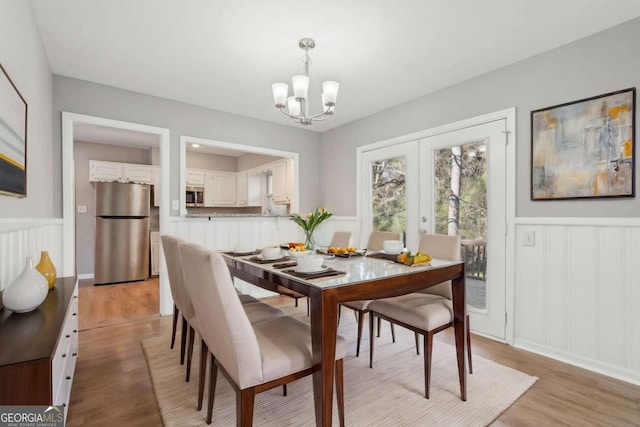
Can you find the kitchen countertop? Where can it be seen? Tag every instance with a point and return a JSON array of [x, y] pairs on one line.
[[234, 215]]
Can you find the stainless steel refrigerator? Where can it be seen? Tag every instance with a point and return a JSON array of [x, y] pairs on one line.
[[122, 232]]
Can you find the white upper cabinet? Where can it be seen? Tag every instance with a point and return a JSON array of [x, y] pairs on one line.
[[140, 174], [249, 188], [195, 177], [119, 172], [219, 189], [282, 181], [242, 190]]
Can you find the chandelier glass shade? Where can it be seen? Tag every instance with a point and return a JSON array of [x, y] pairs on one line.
[[296, 106]]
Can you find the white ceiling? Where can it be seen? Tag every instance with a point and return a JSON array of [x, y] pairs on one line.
[[225, 54]]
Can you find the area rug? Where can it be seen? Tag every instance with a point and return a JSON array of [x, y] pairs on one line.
[[391, 394]]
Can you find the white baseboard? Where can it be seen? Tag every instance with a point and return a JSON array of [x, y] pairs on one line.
[[85, 276], [616, 372]]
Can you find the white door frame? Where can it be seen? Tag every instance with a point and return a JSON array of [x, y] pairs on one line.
[[510, 116], [68, 191]]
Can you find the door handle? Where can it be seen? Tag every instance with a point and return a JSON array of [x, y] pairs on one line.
[[423, 219]]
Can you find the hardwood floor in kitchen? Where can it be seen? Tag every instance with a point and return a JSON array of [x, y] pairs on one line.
[[112, 384], [107, 305]]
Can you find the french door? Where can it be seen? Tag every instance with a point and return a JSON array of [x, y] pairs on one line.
[[463, 192], [451, 183]]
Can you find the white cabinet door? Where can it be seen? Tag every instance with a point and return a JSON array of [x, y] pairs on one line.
[[224, 184], [155, 253], [281, 184], [140, 174], [242, 191], [195, 177], [105, 171], [219, 189], [255, 188]]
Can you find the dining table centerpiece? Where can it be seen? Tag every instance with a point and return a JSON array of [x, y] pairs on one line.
[[309, 223]]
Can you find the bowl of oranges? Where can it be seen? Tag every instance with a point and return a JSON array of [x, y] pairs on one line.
[[297, 250]]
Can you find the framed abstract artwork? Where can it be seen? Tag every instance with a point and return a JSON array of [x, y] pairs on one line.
[[585, 148], [13, 138]]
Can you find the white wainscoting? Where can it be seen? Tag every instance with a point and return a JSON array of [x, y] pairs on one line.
[[577, 292], [227, 233], [21, 238]]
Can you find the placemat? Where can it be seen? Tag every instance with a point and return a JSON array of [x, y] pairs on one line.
[[285, 264], [325, 273], [242, 253], [381, 255], [268, 261]]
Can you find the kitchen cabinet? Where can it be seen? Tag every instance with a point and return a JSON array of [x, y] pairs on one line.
[[195, 177], [119, 172], [38, 351], [242, 189], [219, 189], [282, 181], [154, 240]]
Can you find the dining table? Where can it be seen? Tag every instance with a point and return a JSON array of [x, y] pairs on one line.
[[359, 278]]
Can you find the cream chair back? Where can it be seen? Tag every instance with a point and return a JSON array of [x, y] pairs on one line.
[[341, 239], [377, 237], [179, 292], [440, 246], [223, 322]]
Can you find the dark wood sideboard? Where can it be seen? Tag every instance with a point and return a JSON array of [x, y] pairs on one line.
[[38, 350]]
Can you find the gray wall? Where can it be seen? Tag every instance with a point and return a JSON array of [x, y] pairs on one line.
[[23, 57], [213, 162], [92, 99], [605, 62], [251, 160], [86, 194]]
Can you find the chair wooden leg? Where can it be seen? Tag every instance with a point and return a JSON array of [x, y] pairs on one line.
[[428, 344], [296, 301], [417, 343], [192, 336], [360, 320], [308, 308], [213, 376], [469, 345], [284, 390], [176, 312], [393, 332], [204, 352], [379, 327], [183, 340], [371, 338], [340, 390], [244, 407], [339, 312]]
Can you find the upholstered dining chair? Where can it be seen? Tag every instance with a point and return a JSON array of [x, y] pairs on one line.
[[426, 312], [253, 357], [257, 311], [361, 307], [341, 239]]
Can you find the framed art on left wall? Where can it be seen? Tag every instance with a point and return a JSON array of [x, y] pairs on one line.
[[13, 138]]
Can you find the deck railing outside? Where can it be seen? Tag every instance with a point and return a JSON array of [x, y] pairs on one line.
[[474, 254]]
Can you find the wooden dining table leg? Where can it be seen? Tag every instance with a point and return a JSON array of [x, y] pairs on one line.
[[459, 326], [324, 323]]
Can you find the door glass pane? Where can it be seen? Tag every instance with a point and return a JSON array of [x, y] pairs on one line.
[[461, 209], [388, 195]]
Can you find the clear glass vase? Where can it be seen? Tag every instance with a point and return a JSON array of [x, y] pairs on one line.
[[309, 241]]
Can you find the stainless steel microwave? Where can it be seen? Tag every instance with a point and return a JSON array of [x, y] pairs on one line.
[[194, 196]]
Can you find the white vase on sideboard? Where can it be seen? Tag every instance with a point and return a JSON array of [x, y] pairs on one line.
[[27, 291]]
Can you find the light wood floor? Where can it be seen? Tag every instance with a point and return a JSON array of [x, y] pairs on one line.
[[106, 305], [112, 384]]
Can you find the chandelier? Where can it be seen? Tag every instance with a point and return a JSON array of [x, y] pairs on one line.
[[297, 106]]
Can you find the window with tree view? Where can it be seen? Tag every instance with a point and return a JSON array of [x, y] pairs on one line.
[[388, 204]]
